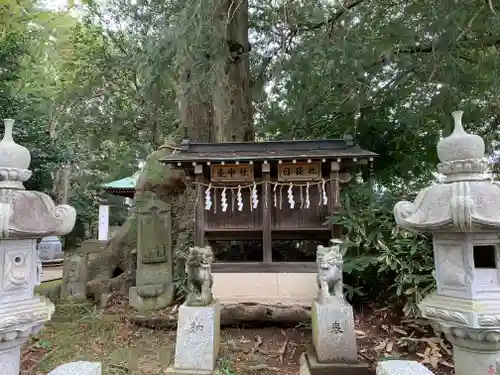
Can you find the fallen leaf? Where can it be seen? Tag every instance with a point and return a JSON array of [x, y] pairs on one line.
[[399, 330], [233, 346], [389, 347], [381, 346], [434, 362], [96, 348], [445, 348], [447, 364], [360, 334]]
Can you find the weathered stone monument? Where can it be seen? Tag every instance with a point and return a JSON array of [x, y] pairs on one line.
[[334, 349], [24, 217], [198, 326], [50, 249], [463, 215], [154, 289], [74, 286]]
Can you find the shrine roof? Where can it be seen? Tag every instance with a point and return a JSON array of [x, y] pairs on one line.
[[269, 150], [124, 186]]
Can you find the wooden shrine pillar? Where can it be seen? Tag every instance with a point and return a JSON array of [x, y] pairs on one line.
[[267, 242], [334, 200], [199, 237]]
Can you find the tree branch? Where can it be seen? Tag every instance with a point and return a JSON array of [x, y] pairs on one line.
[[344, 8], [466, 43]]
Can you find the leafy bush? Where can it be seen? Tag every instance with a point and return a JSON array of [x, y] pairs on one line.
[[383, 260]]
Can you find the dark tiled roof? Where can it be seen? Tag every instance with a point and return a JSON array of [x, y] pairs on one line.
[[329, 148]]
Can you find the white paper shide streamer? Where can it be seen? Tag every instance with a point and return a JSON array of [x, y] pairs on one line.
[[274, 196], [223, 200], [208, 198], [255, 197], [308, 198], [291, 202], [239, 199], [323, 192]]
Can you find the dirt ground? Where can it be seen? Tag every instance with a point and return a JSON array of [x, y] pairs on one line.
[[81, 332]]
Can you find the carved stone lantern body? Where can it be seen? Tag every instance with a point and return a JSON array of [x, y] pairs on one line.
[[463, 215], [25, 216]]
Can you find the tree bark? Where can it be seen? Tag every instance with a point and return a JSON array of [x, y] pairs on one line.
[[232, 100], [195, 105]]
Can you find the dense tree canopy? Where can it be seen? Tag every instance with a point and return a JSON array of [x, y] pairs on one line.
[[99, 84], [100, 80]]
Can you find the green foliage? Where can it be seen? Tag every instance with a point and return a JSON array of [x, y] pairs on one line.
[[381, 255], [99, 91]]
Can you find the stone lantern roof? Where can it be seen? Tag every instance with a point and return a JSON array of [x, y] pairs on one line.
[[466, 201], [23, 213]]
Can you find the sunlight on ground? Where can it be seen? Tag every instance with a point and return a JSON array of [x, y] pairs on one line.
[[76, 332], [46, 286]]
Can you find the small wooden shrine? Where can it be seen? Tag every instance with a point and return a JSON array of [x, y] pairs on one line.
[[267, 191], [124, 187]]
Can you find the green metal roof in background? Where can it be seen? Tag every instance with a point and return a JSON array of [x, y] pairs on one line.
[[127, 183]]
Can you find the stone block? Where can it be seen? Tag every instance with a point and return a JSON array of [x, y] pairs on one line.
[[333, 334], [197, 343], [50, 248], [153, 303], [400, 367], [309, 365], [78, 368], [10, 358]]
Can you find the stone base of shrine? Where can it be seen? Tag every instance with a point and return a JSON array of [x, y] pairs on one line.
[[267, 288], [153, 303], [175, 371], [309, 365]]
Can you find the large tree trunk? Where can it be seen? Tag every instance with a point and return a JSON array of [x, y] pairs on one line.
[[233, 121], [207, 115]]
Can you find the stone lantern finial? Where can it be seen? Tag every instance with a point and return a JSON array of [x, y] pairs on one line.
[[460, 145], [461, 154], [14, 160]]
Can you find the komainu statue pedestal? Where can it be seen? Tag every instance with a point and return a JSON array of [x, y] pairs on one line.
[[198, 325], [197, 343], [333, 349]]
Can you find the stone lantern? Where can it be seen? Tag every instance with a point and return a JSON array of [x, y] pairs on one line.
[[25, 216], [463, 214]]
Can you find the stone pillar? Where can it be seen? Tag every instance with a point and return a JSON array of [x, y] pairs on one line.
[[154, 289], [463, 214], [74, 286], [24, 217]]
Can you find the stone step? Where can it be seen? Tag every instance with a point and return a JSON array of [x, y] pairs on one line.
[[78, 368], [400, 367]]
